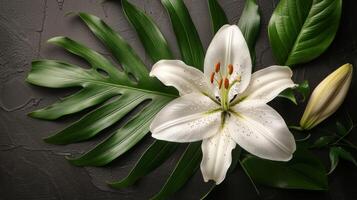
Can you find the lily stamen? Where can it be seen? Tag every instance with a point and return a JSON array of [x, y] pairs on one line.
[[212, 77], [226, 83], [217, 67], [220, 83], [230, 69]]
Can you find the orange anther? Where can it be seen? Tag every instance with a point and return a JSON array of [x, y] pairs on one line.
[[230, 69], [226, 83], [217, 67], [212, 77], [220, 83]]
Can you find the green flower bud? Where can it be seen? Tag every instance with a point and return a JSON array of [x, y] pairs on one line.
[[327, 97]]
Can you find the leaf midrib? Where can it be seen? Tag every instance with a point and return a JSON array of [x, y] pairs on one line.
[[122, 86], [300, 32]]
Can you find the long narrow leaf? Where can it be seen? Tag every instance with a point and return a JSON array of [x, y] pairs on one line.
[[249, 23], [186, 34], [98, 120], [150, 36], [157, 153], [185, 168], [218, 17], [123, 139]]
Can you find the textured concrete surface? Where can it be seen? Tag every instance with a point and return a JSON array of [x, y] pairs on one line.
[[32, 169]]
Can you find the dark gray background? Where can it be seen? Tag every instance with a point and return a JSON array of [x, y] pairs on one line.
[[32, 169]]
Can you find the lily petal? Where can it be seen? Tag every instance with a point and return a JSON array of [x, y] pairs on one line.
[[229, 47], [261, 131], [184, 78], [217, 156], [267, 83], [189, 118]]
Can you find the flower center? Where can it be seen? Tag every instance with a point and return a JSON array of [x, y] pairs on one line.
[[222, 81]]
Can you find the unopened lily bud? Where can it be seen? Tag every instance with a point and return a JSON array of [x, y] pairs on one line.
[[217, 67], [327, 97]]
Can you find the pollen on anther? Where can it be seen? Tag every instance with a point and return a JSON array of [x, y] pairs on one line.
[[212, 77], [220, 83], [217, 67], [230, 69], [226, 83]]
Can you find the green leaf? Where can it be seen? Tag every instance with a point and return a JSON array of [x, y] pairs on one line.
[[301, 30], [341, 129], [323, 141], [249, 24], [304, 171], [185, 168], [218, 17], [150, 36], [102, 82], [186, 34], [288, 94], [153, 157], [302, 88], [122, 140], [338, 152]]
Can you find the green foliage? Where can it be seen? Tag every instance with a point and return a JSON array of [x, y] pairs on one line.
[[111, 93], [304, 171], [301, 30], [158, 152], [218, 17], [303, 89], [187, 37], [151, 37], [147, 93], [337, 153], [249, 24]]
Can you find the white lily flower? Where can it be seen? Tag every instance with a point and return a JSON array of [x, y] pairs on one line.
[[225, 105]]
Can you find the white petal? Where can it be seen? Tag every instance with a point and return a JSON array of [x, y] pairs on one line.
[[261, 131], [229, 47], [267, 83], [217, 156], [188, 118], [184, 78]]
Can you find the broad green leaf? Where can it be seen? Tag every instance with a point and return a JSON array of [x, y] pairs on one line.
[[186, 34], [323, 141], [338, 152], [218, 17], [301, 30], [150, 36], [185, 168], [249, 24], [102, 82], [153, 157], [304, 171]]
